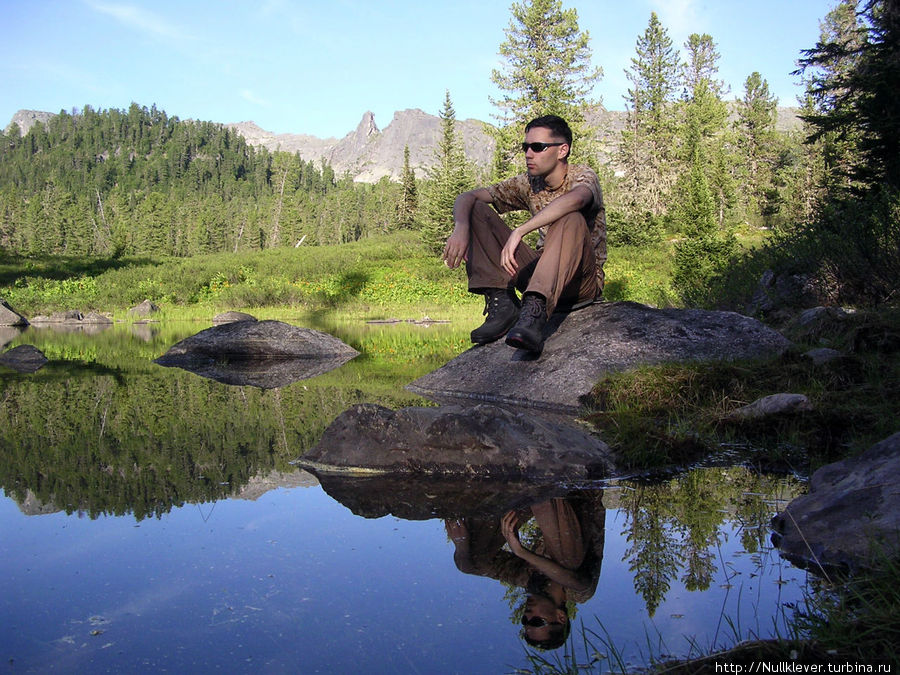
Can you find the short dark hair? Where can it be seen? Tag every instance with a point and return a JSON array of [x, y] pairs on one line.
[[557, 126]]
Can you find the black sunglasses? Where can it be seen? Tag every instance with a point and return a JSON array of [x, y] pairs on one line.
[[538, 147], [536, 621]]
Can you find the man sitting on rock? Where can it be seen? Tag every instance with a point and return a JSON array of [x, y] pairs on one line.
[[566, 270]]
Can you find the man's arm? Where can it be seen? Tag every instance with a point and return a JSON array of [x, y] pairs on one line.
[[457, 247], [575, 200]]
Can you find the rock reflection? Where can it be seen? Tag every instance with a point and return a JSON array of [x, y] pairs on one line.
[[264, 373]]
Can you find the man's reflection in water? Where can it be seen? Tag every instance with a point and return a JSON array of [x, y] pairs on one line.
[[558, 566]]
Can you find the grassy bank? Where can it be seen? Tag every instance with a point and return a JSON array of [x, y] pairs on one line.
[[391, 275]]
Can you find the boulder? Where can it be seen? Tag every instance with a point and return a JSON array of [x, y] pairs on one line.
[[265, 354], [851, 511], [10, 317], [769, 406], [96, 318], [479, 441], [146, 308], [229, 317], [24, 359], [583, 346]]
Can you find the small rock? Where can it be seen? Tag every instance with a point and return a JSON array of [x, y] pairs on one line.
[[767, 406], [67, 316], [96, 318], [823, 355], [146, 308]]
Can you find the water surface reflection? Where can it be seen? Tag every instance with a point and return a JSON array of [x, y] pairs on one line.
[[152, 520]]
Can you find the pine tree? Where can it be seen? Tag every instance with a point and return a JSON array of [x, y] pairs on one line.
[[547, 71], [450, 176], [408, 203]]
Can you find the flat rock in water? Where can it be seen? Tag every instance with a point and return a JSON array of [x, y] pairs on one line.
[[266, 354], [584, 345], [256, 339], [24, 359], [852, 509], [483, 441]]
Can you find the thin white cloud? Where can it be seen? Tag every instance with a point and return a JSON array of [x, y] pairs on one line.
[[678, 16], [250, 97], [141, 20]]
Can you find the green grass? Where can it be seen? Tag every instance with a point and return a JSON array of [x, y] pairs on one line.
[[378, 277]]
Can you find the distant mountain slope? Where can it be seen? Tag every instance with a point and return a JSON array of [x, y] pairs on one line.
[[368, 153]]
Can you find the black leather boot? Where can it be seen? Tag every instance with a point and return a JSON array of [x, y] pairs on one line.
[[528, 333], [502, 309]]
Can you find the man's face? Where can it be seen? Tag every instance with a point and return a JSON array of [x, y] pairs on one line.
[[542, 163]]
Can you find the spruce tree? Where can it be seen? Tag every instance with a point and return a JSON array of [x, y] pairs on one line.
[[547, 70], [646, 148], [408, 203], [755, 127], [450, 176]]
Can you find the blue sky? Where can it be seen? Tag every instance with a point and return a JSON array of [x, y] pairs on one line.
[[315, 67]]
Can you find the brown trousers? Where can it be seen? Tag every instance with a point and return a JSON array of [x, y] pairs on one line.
[[564, 271]]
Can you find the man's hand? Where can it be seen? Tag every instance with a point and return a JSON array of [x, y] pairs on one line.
[[456, 250], [509, 526], [508, 254]]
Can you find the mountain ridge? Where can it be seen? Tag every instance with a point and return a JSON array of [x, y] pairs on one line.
[[369, 153]]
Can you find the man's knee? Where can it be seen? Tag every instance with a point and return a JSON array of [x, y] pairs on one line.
[[483, 214]]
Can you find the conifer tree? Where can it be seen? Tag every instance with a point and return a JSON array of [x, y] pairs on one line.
[[646, 148], [450, 176], [547, 70], [755, 126], [408, 203], [705, 251]]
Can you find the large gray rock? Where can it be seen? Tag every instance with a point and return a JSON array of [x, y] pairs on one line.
[[585, 345], [853, 507], [24, 359], [483, 441], [10, 317], [256, 339], [265, 354]]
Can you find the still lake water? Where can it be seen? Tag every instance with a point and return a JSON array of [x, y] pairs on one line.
[[151, 521]]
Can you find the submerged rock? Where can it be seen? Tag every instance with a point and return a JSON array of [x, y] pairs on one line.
[[851, 511], [484, 441], [267, 354], [583, 346], [24, 359]]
